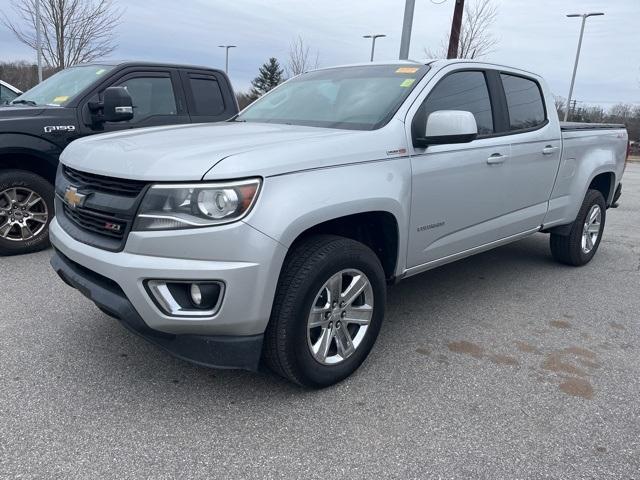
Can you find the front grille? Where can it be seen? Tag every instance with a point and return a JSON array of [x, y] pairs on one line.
[[96, 222], [106, 212], [100, 183]]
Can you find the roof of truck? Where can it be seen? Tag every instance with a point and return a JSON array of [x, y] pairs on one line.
[[441, 62], [131, 63]]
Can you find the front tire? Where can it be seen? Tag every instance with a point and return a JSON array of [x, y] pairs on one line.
[[579, 247], [26, 209], [327, 312]]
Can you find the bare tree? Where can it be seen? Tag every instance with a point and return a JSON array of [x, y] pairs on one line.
[[476, 39], [73, 31], [560, 103], [301, 59]]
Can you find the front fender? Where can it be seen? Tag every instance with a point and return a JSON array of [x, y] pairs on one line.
[[291, 204], [12, 144]]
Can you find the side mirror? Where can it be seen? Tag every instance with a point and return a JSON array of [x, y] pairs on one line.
[[117, 105], [448, 126]]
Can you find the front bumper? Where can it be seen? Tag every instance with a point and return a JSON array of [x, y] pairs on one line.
[[210, 350], [192, 255]]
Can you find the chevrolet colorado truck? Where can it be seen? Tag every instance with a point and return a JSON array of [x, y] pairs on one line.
[[36, 126], [270, 239]]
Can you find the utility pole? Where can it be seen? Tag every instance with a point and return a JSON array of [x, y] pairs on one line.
[[226, 57], [373, 41], [407, 23], [39, 40], [456, 23], [575, 65]]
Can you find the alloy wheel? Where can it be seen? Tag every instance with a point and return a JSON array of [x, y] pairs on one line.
[[591, 229], [23, 214], [340, 317]]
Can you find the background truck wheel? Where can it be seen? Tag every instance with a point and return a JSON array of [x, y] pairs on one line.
[[579, 247], [327, 312], [26, 208]]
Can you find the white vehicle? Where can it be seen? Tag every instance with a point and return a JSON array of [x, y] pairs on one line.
[[273, 236], [7, 93]]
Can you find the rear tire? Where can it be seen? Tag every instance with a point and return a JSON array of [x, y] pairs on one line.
[[317, 266], [579, 247], [24, 225]]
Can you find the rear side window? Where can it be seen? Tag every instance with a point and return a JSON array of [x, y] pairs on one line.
[[465, 91], [524, 101], [207, 96]]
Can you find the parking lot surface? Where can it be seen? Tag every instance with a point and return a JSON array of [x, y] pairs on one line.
[[503, 365]]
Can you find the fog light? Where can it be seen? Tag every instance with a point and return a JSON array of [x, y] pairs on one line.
[[196, 294], [186, 298]]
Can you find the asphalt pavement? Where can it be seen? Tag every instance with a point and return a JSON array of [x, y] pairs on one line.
[[503, 365]]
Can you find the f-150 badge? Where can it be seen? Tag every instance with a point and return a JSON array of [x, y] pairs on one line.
[[59, 128]]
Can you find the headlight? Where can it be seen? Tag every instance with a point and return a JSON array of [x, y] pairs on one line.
[[176, 206]]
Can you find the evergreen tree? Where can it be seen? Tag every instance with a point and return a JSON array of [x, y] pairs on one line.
[[270, 75]]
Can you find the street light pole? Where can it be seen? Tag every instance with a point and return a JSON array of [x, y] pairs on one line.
[[407, 23], [38, 40], [575, 65], [226, 57], [373, 41]]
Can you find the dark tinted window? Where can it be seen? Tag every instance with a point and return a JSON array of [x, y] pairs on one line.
[[151, 96], [207, 96], [460, 91], [524, 100]]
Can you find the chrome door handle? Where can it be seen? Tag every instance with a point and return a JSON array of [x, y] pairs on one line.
[[549, 149], [496, 158]]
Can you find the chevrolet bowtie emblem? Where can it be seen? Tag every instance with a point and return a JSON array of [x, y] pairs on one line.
[[73, 198]]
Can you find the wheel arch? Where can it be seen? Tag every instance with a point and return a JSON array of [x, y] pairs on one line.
[[604, 182], [43, 163], [30, 153], [378, 229]]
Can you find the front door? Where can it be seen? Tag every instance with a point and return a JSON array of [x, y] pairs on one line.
[[459, 192]]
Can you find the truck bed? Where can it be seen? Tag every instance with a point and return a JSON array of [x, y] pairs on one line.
[[569, 126]]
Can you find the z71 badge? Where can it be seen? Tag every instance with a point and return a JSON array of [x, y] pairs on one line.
[[59, 128]]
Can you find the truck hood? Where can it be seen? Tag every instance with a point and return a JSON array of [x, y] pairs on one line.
[[188, 152], [13, 112]]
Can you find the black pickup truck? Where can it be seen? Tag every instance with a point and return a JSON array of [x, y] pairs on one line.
[[85, 100]]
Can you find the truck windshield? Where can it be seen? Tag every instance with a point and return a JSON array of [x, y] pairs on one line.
[[60, 88], [354, 98]]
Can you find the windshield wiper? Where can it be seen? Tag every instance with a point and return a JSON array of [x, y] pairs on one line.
[[24, 102]]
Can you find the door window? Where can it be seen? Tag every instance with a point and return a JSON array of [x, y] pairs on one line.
[[207, 96], [524, 101], [6, 95], [465, 91], [151, 96]]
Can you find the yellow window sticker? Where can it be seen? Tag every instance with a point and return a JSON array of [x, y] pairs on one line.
[[60, 99], [407, 69], [407, 82]]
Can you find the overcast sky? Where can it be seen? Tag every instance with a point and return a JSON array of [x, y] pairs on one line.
[[533, 34]]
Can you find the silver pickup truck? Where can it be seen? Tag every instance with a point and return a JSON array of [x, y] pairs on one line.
[[270, 239]]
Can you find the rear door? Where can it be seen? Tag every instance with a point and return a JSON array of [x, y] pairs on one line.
[[209, 96], [535, 148]]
